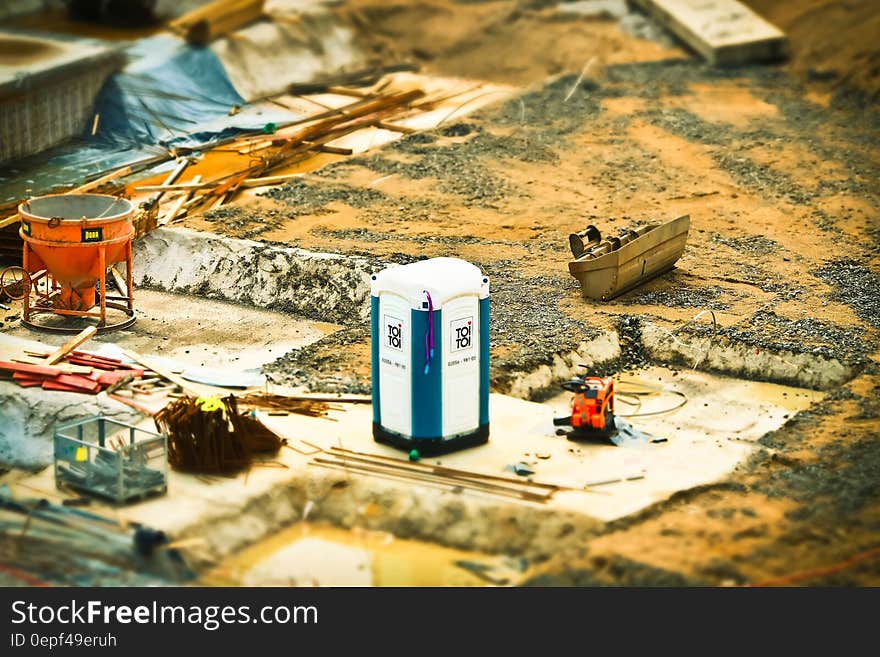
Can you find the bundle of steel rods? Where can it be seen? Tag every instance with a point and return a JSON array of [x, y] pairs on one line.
[[299, 406], [434, 475], [211, 436]]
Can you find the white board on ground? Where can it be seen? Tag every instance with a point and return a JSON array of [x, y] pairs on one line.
[[723, 31]]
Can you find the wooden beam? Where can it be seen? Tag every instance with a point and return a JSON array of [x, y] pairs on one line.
[[63, 368], [97, 182], [119, 279], [208, 22], [182, 187], [71, 344], [725, 32], [175, 209], [26, 368]]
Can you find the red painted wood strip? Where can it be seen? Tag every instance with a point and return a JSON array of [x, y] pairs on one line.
[[54, 385], [42, 370]]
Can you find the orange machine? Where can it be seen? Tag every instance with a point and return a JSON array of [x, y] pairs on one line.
[[70, 241], [592, 407]]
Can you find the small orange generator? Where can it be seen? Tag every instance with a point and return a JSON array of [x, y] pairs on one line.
[[592, 408]]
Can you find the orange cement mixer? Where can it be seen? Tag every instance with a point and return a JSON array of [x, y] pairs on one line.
[[70, 241]]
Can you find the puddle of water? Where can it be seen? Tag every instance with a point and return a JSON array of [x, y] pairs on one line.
[[319, 554]]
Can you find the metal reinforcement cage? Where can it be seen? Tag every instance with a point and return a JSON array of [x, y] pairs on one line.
[[110, 459]]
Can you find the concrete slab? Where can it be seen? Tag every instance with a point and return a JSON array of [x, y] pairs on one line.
[[331, 286], [187, 332], [707, 439], [47, 87], [197, 332]]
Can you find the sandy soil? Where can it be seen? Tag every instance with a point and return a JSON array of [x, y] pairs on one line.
[[780, 180], [832, 42], [513, 42]]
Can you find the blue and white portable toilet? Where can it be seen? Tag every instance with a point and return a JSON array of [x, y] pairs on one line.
[[430, 330]]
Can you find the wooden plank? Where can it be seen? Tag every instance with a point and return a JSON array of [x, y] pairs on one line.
[[25, 368], [725, 32], [64, 368], [22, 378], [8, 221], [180, 187], [132, 404], [97, 182], [119, 279], [52, 384], [175, 209], [271, 180], [71, 344], [208, 22], [74, 381]]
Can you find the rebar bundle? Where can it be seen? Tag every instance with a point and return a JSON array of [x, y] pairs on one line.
[[210, 436]]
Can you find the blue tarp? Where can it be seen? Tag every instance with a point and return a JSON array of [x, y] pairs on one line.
[[174, 94], [170, 94]]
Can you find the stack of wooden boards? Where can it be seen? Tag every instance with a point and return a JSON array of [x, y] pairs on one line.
[[81, 371], [340, 115], [68, 369], [261, 154]]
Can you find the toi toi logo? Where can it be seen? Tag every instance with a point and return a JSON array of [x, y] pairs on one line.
[[462, 333], [393, 332]]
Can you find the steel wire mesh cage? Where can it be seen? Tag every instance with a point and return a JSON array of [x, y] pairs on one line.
[[110, 459]]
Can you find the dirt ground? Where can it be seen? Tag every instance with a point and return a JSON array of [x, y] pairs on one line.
[[831, 42], [778, 168]]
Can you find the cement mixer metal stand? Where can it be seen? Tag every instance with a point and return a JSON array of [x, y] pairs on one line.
[[70, 241]]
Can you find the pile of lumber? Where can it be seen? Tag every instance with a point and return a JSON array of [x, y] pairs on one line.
[[268, 152], [267, 155], [102, 373], [68, 369]]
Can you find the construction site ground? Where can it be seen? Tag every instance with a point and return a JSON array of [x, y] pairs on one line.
[[779, 175], [610, 124]]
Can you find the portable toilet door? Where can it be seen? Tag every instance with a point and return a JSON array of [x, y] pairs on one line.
[[430, 356]]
